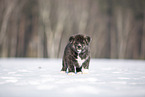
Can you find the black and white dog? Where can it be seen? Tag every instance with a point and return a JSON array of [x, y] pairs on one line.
[[77, 55]]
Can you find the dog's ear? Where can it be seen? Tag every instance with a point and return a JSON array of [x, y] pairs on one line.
[[71, 39], [88, 39]]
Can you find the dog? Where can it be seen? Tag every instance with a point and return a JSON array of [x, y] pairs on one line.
[[76, 56]]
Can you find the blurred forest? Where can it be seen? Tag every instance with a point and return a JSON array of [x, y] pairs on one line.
[[41, 28]]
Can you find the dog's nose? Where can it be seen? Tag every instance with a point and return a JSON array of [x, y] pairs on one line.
[[79, 46]]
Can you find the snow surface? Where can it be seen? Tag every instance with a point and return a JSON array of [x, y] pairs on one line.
[[42, 78]]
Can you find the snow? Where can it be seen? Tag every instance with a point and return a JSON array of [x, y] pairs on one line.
[[42, 78]]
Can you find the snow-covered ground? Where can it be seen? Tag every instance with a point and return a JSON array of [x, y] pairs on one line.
[[42, 78]]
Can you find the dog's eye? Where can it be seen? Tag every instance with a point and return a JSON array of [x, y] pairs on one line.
[[83, 43]]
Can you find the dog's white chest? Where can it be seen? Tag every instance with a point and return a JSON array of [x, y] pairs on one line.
[[80, 61]]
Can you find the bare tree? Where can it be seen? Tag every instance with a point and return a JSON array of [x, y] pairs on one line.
[[41, 28]]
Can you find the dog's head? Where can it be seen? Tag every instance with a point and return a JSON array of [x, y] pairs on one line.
[[80, 42]]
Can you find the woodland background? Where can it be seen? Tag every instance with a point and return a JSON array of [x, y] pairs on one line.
[[41, 28]]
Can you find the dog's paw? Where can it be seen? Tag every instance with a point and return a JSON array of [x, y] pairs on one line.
[[79, 72], [62, 71], [85, 71], [71, 73]]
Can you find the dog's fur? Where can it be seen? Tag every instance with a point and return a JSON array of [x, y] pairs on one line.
[[77, 54]]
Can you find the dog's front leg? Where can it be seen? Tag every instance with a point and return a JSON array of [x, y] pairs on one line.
[[85, 66], [71, 69]]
